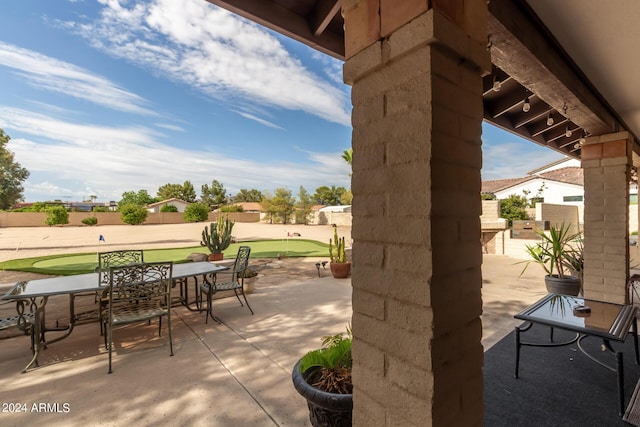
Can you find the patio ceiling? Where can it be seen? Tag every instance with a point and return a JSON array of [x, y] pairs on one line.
[[573, 60]]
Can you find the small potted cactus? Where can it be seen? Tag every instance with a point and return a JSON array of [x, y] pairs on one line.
[[340, 267], [217, 237]]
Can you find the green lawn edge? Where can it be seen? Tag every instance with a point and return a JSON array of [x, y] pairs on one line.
[[86, 262]]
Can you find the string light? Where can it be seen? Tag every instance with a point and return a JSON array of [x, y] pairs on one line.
[[549, 120], [527, 105], [583, 138], [568, 132], [497, 84]]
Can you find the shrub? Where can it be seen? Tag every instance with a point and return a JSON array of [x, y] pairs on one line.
[[101, 209], [56, 215], [196, 212], [92, 220], [168, 208], [133, 214], [514, 207]]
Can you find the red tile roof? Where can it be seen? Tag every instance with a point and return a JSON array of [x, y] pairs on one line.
[[568, 175]]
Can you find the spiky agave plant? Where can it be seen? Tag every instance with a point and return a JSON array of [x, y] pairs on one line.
[[558, 252]]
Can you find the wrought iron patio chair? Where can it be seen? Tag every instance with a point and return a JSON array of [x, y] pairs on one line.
[[136, 293], [234, 283], [22, 319], [107, 260]]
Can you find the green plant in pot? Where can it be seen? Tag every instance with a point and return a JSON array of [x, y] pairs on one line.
[[249, 277], [560, 254], [217, 237], [340, 267], [323, 377]]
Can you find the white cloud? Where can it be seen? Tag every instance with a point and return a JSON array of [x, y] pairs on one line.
[[51, 74], [258, 119], [170, 127], [104, 161], [513, 160], [218, 53]]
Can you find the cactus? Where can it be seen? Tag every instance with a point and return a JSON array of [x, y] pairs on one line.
[[336, 248], [217, 237]]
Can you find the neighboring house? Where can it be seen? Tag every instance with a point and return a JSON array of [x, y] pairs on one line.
[[250, 207], [180, 204], [560, 182]]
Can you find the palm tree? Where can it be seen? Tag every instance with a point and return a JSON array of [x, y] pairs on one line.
[[347, 155]]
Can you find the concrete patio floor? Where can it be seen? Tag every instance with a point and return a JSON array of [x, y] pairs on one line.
[[234, 374]]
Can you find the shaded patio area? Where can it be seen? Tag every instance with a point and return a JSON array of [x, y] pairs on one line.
[[239, 373], [556, 386]]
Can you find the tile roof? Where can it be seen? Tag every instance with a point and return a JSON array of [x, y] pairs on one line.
[[250, 206], [568, 175], [495, 185]]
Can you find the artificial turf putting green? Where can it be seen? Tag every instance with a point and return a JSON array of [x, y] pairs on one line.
[[68, 264]]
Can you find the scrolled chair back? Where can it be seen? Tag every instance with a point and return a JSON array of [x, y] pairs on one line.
[[120, 258]]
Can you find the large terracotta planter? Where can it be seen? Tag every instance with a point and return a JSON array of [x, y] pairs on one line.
[[325, 409], [340, 270], [569, 285]]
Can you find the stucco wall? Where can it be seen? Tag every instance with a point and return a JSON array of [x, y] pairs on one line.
[[558, 214], [490, 210]]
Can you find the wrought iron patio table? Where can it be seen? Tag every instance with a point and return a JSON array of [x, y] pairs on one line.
[[605, 320], [36, 293]]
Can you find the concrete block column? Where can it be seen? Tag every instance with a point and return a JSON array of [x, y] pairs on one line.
[[606, 160], [417, 123]]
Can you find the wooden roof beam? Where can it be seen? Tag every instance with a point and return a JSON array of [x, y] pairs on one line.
[[322, 14], [522, 48], [272, 15]]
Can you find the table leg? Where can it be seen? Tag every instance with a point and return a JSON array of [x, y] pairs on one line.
[[68, 329], [184, 293], [634, 329], [37, 334], [620, 371], [517, 331]]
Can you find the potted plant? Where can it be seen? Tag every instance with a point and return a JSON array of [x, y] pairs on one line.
[[249, 277], [217, 237], [323, 377], [560, 254], [340, 267]]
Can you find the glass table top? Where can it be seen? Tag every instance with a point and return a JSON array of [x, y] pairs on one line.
[[603, 318]]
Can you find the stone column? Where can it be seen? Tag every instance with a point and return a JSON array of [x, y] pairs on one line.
[[606, 160], [417, 123]]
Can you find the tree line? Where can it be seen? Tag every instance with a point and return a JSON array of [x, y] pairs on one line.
[[280, 205]]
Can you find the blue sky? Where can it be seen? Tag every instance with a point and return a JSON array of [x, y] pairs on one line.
[[102, 97]]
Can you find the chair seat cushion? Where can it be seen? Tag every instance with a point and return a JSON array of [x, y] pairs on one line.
[[135, 313], [223, 286]]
